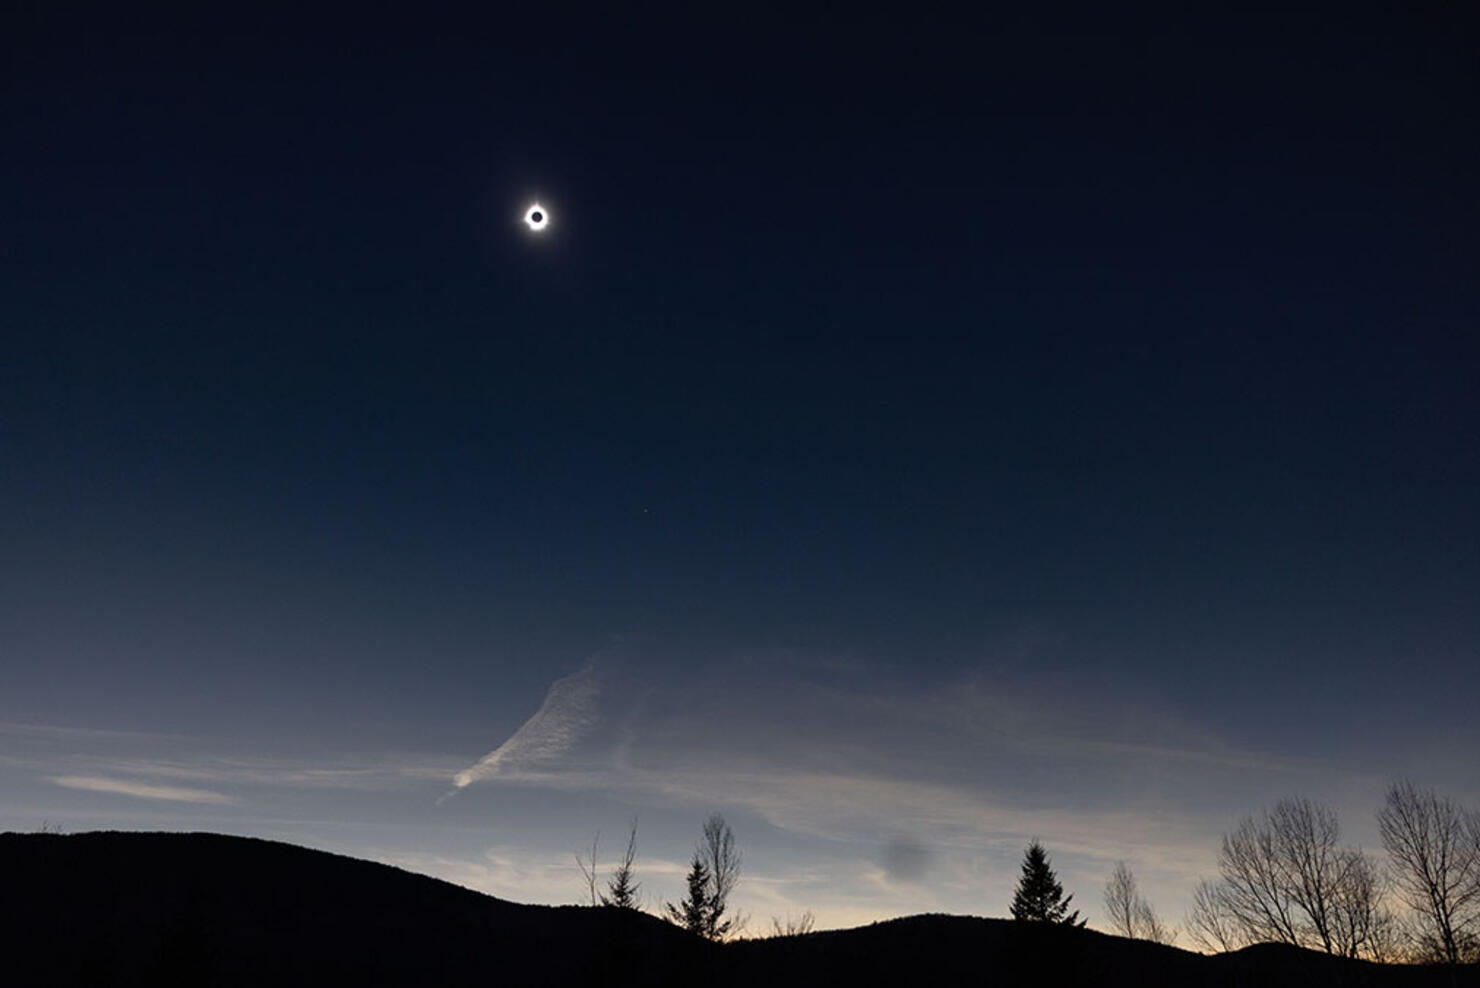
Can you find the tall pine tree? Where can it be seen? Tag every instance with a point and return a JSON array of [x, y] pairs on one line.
[[1039, 897]]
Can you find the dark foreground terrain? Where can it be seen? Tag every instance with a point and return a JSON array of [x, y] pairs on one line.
[[201, 909]]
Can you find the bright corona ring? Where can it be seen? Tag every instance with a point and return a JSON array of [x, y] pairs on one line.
[[536, 217]]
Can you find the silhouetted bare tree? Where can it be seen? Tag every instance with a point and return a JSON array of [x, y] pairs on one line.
[[1434, 847], [1120, 900], [1287, 879], [1129, 913], [793, 927], [588, 871], [1209, 922], [1364, 926], [1283, 872], [621, 890], [722, 858], [1255, 891], [1151, 926]]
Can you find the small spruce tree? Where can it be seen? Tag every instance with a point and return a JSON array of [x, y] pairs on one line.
[[1039, 897], [693, 913], [621, 890]]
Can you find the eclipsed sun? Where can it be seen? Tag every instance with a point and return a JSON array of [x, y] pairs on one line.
[[536, 217]]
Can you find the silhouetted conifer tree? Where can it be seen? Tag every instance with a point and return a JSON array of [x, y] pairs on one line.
[[1039, 897], [715, 872], [621, 890], [693, 913]]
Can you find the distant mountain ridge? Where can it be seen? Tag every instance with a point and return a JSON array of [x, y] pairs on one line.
[[127, 909]]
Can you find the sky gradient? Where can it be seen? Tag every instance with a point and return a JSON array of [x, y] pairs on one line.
[[908, 438]]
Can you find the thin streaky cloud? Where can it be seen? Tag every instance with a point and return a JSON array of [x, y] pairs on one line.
[[75, 733], [124, 787], [380, 775]]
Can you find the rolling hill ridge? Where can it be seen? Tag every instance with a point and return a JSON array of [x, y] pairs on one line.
[[203, 909]]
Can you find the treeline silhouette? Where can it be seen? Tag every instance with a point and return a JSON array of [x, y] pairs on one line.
[[1292, 905], [135, 909], [1285, 877]]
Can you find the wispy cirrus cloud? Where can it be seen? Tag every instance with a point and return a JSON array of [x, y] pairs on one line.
[[141, 790], [567, 713], [944, 779], [49, 751], [784, 732]]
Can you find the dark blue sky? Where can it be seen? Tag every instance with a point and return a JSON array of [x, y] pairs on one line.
[[1119, 362]]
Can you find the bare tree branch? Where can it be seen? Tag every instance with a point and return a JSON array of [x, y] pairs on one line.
[[588, 871]]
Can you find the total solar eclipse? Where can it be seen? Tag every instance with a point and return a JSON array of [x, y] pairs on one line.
[[537, 217]]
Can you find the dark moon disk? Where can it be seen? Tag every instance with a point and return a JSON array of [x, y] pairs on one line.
[[536, 217]]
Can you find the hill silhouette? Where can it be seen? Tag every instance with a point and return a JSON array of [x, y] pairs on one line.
[[202, 909], [205, 909]]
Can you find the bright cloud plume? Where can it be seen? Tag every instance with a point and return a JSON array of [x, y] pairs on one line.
[[567, 713], [139, 790]]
